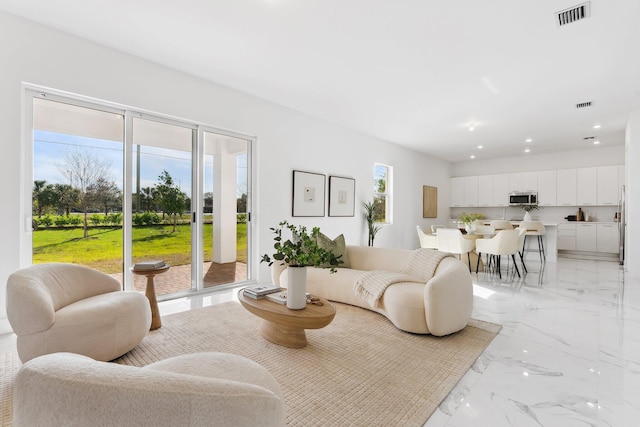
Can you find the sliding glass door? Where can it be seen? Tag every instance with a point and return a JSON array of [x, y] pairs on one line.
[[224, 213], [161, 201], [112, 187]]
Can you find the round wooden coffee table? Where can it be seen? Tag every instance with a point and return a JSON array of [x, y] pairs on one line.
[[286, 327], [150, 292]]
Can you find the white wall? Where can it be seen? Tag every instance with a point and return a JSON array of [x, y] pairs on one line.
[[590, 156], [632, 178], [287, 140]]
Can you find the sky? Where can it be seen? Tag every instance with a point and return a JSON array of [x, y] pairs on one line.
[[49, 165]]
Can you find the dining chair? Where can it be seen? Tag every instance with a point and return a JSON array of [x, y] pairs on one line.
[[429, 241], [503, 243], [452, 241], [535, 228], [501, 224], [435, 227], [521, 237]]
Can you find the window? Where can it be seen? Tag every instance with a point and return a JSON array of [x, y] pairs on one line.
[[382, 192]]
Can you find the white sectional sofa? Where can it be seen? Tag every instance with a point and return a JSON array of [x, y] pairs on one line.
[[440, 306]]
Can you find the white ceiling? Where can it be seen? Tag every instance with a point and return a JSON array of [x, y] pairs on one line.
[[413, 72]]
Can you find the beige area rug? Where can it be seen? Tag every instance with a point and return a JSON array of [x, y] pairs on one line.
[[358, 371]]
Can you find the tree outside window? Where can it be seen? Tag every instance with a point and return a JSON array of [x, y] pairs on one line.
[[382, 193]]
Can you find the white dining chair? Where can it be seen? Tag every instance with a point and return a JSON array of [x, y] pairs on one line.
[[429, 241], [452, 241], [501, 224], [503, 243]]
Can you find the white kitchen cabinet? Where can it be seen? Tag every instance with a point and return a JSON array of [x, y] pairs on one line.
[[567, 236], [566, 187], [457, 192], [607, 238], [471, 191], [515, 181], [587, 179], [530, 181], [485, 190], [586, 237], [547, 188], [607, 188], [500, 190]]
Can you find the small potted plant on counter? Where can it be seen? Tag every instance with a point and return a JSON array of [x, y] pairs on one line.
[[527, 211]]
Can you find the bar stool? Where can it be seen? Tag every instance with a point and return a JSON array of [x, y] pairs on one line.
[[534, 228]]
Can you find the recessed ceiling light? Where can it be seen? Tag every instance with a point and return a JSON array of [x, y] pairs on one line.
[[597, 126], [472, 156], [596, 142], [480, 147], [472, 127], [527, 150], [528, 140]]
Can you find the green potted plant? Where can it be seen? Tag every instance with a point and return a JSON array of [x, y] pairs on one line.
[[468, 219], [299, 252], [370, 217], [528, 209]]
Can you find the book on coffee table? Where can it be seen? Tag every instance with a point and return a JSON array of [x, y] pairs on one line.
[[261, 290]]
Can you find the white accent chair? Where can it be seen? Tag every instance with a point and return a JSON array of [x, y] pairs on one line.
[[452, 241], [428, 241], [197, 389], [504, 243], [535, 228], [59, 307]]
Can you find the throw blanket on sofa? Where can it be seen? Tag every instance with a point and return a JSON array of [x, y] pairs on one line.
[[421, 266]]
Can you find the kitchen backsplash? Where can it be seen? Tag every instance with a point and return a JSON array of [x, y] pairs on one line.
[[547, 213]]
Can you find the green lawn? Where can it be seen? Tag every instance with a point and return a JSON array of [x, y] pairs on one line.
[[102, 250]]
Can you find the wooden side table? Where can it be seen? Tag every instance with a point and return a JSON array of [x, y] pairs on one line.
[[150, 292]]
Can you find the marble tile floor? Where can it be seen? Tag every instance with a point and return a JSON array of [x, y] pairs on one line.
[[568, 353]]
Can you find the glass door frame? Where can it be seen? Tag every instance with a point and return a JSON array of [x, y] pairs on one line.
[[31, 91]]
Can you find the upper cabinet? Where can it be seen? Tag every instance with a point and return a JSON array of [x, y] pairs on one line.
[[471, 191], [500, 190], [457, 192], [607, 191], [587, 186], [566, 187], [547, 188], [523, 181], [485, 190], [563, 187]]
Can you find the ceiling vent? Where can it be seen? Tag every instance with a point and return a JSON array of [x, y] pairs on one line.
[[584, 104], [573, 14], [589, 138]]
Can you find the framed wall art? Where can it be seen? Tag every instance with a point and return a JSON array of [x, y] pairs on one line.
[[429, 202], [341, 196], [308, 194]]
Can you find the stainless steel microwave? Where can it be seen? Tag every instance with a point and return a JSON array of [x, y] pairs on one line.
[[523, 198]]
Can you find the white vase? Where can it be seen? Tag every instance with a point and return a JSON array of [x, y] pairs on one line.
[[527, 216], [297, 288]]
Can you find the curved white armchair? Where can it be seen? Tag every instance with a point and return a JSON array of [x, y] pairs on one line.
[[452, 241], [504, 243], [428, 241], [58, 307], [197, 389]]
